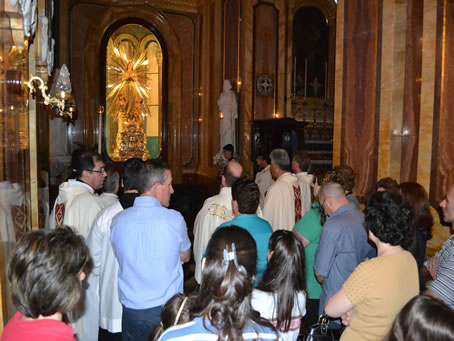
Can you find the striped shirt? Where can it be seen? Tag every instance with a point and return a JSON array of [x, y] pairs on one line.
[[201, 330], [443, 284], [265, 304]]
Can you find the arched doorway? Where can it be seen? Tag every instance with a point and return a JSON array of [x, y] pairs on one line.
[[134, 72]]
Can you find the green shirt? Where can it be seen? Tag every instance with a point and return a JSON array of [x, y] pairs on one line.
[[310, 228]]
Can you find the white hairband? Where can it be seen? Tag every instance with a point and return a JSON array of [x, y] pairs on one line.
[[180, 310]]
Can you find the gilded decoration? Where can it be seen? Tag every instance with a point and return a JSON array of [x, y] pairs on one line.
[[133, 94]]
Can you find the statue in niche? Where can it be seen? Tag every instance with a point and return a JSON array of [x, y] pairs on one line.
[[229, 113], [127, 94]]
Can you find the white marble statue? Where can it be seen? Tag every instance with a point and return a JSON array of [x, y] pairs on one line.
[[44, 36], [228, 107], [27, 9]]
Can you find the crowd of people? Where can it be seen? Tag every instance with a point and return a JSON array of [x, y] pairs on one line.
[[272, 256]]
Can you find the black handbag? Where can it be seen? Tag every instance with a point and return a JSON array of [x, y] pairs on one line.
[[320, 331]]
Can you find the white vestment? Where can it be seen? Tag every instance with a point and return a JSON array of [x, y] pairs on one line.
[[77, 206], [279, 207], [14, 209], [264, 180], [215, 211], [108, 198], [105, 269], [306, 179]]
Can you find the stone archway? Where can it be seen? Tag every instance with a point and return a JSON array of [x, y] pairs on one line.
[[172, 85]]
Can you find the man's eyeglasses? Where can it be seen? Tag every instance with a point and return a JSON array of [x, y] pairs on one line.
[[102, 170]]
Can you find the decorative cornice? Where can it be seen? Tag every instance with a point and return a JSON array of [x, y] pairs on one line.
[[191, 6], [184, 6]]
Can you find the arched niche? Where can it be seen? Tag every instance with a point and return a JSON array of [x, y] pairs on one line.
[[325, 9], [94, 73], [311, 53], [133, 90]]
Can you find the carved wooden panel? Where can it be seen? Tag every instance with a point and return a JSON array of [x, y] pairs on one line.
[[231, 39], [265, 50], [185, 27]]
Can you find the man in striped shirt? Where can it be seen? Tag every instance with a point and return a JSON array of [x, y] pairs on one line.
[[441, 266]]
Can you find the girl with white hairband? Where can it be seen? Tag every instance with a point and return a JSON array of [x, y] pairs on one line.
[[223, 306], [175, 311]]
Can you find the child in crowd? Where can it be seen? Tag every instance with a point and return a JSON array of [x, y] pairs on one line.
[[46, 273], [223, 306], [280, 296], [175, 311], [423, 318]]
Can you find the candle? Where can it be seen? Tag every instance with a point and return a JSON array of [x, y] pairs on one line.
[[100, 112], [305, 77], [294, 76], [326, 78]]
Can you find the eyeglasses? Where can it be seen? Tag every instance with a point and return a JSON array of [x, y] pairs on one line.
[[102, 170]]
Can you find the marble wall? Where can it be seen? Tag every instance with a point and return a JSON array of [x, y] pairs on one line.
[[392, 110]]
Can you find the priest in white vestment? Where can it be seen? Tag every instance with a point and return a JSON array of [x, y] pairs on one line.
[[216, 210], [105, 264], [284, 202], [263, 178], [77, 206], [301, 163]]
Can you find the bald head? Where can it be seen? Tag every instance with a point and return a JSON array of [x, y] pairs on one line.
[[331, 197], [232, 172]]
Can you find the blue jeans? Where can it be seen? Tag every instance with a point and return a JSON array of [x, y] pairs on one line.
[[137, 325]]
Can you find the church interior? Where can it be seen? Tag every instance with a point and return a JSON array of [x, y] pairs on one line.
[[352, 82]]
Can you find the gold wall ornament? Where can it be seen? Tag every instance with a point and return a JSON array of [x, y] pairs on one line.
[[60, 96]]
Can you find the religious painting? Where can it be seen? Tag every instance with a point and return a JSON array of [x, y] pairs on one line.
[[310, 53], [133, 94]]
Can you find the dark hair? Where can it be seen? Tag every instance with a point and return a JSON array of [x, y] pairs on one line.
[[423, 318], [131, 171], [111, 182], [228, 148], [346, 176], [388, 184], [228, 175], [303, 160], [247, 194], [285, 275], [417, 197], [75, 160], [264, 158], [280, 158], [44, 271], [179, 303], [390, 218], [153, 172], [85, 161], [225, 293]]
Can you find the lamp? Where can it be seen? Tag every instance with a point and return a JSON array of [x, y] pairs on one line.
[[60, 94]]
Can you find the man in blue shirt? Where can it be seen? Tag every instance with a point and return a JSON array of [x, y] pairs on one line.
[[245, 201], [150, 243], [343, 242]]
